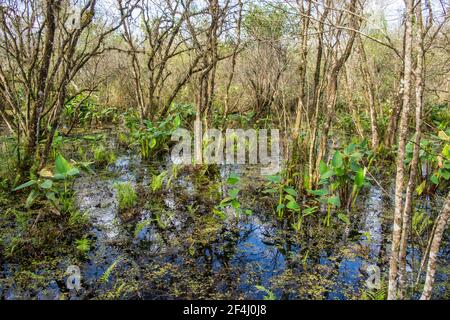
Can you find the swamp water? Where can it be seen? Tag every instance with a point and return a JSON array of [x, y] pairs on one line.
[[172, 246]]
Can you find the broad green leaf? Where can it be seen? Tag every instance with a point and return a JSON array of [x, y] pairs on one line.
[[31, 197], [61, 165], [293, 205], [344, 217], [25, 185], [219, 213], [421, 187], [59, 176], [73, 172], [47, 184], [280, 207], [248, 212], [327, 174], [320, 192], [337, 160], [177, 121], [435, 179], [335, 201], [235, 204], [290, 191], [359, 177], [51, 196], [289, 197], [274, 179], [153, 143], [339, 171], [323, 168], [233, 179], [233, 193], [444, 173]]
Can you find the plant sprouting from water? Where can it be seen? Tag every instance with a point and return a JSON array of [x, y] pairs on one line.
[[232, 199], [48, 184], [126, 195], [342, 179]]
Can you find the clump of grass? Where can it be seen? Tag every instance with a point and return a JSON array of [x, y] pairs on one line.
[[126, 195], [83, 245], [103, 156], [157, 181]]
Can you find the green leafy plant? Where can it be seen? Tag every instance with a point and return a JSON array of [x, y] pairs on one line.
[[342, 179], [420, 222], [158, 181], [102, 155], [47, 185], [107, 274], [126, 195], [434, 162], [232, 199], [287, 195], [269, 294], [83, 245], [152, 136]]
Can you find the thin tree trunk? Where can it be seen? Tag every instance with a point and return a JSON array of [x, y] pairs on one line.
[[42, 93], [442, 220], [302, 68], [370, 95], [419, 73], [316, 98], [233, 63], [403, 130]]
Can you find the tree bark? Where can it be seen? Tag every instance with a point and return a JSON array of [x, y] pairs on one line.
[[419, 74], [403, 130], [442, 220]]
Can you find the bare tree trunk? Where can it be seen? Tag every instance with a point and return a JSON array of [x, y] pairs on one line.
[[370, 95], [233, 62], [351, 105], [419, 74], [316, 98], [42, 93], [441, 224], [403, 130], [302, 68], [389, 137]]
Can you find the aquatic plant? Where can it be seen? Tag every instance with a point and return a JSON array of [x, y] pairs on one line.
[[285, 193], [102, 155], [376, 294], [434, 162], [231, 200], [269, 294], [420, 222], [107, 274], [157, 181], [46, 184], [343, 178], [83, 245], [126, 195], [151, 136]]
